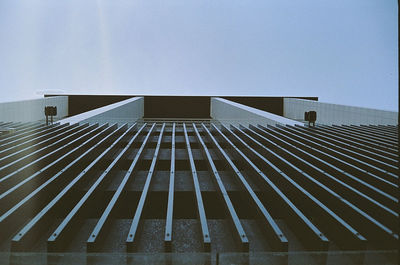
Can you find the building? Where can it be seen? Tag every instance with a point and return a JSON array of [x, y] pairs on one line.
[[197, 180]]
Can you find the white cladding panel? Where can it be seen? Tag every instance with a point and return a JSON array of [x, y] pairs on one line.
[[33, 109], [229, 112], [336, 114], [126, 111]]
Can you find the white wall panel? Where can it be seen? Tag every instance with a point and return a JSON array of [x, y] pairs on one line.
[[229, 112], [33, 110], [126, 111], [329, 114]]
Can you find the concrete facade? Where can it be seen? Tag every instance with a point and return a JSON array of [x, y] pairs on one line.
[[127, 111], [33, 110], [229, 112], [336, 114]]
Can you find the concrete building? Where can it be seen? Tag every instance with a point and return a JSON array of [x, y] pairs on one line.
[[197, 180]]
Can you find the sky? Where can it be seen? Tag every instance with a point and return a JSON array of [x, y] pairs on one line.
[[342, 51]]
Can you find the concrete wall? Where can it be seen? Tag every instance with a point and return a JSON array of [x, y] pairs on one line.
[[126, 111], [229, 112], [33, 110], [329, 114]]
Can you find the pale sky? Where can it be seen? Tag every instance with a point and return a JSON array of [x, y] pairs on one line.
[[342, 51]]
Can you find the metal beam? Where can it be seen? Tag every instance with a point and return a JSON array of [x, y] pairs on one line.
[[131, 240], [334, 226], [370, 227], [23, 239], [315, 240], [19, 133], [369, 163], [277, 238], [361, 138], [66, 228], [239, 232], [13, 217], [170, 206], [199, 200], [345, 142], [94, 241], [49, 154], [320, 169], [385, 186], [17, 151]]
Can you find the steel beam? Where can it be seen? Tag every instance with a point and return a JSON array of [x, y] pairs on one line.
[[93, 243], [369, 163], [361, 137], [13, 217], [18, 151], [30, 232], [320, 169], [314, 238], [276, 237], [131, 240], [13, 177], [239, 232], [199, 200], [170, 206], [337, 158], [19, 133], [335, 131], [360, 148], [364, 132], [21, 138], [336, 228], [66, 228], [370, 227]]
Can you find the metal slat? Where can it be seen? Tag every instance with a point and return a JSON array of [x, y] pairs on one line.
[[375, 208], [373, 165], [36, 127], [18, 138], [337, 132], [376, 131], [377, 181], [4, 181], [384, 129], [10, 196], [356, 182], [275, 236], [66, 228], [131, 240], [361, 148], [239, 232], [170, 206], [94, 241], [34, 140], [19, 129], [366, 132], [13, 217], [199, 200], [369, 226], [314, 238], [13, 156], [366, 156], [364, 138], [334, 225], [24, 238]]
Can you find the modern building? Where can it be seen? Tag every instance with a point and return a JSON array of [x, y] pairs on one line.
[[197, 180]]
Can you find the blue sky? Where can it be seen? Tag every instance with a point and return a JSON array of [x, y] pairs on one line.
[[343, 51]]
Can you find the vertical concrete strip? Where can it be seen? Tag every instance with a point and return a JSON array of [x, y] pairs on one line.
[[335, 114], [126, 111], [33, 109], [229, 112]]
